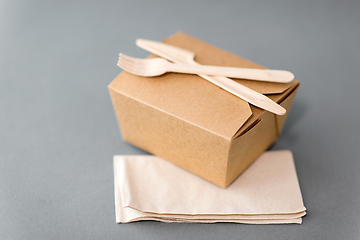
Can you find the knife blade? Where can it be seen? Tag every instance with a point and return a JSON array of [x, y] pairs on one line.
[[178, 55]]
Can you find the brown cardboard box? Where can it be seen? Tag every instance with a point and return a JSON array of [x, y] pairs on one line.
[[193, 123]]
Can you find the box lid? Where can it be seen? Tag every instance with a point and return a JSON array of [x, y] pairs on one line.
[[194, 99]]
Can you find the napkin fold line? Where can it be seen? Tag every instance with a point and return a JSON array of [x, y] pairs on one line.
[[144, 217], [233, 215]]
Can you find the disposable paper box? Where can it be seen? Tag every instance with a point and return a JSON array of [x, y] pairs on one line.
[[193, 123]]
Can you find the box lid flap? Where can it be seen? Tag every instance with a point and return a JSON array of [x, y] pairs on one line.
[[192, 98]]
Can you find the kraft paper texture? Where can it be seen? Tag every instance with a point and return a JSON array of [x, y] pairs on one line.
[[195, 124], [150, 188]]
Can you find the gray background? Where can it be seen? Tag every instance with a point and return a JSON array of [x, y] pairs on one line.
[[58, 131]]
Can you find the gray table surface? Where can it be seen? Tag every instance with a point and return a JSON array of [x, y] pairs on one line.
[[58, 131]]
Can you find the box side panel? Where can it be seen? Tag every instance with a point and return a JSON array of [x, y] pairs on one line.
[[194, 149], [248, 147], [257, 112], [286, 103]]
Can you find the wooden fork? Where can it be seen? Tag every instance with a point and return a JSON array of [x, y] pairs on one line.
[[158, 66]]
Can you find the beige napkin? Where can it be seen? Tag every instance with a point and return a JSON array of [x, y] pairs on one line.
[[150, 188]]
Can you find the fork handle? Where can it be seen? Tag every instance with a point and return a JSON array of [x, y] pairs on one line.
[[279, 76]]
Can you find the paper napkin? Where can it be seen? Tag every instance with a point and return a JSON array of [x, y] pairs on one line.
[[150, 188]]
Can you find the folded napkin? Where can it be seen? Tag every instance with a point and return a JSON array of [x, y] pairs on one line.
[[150, 188]]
